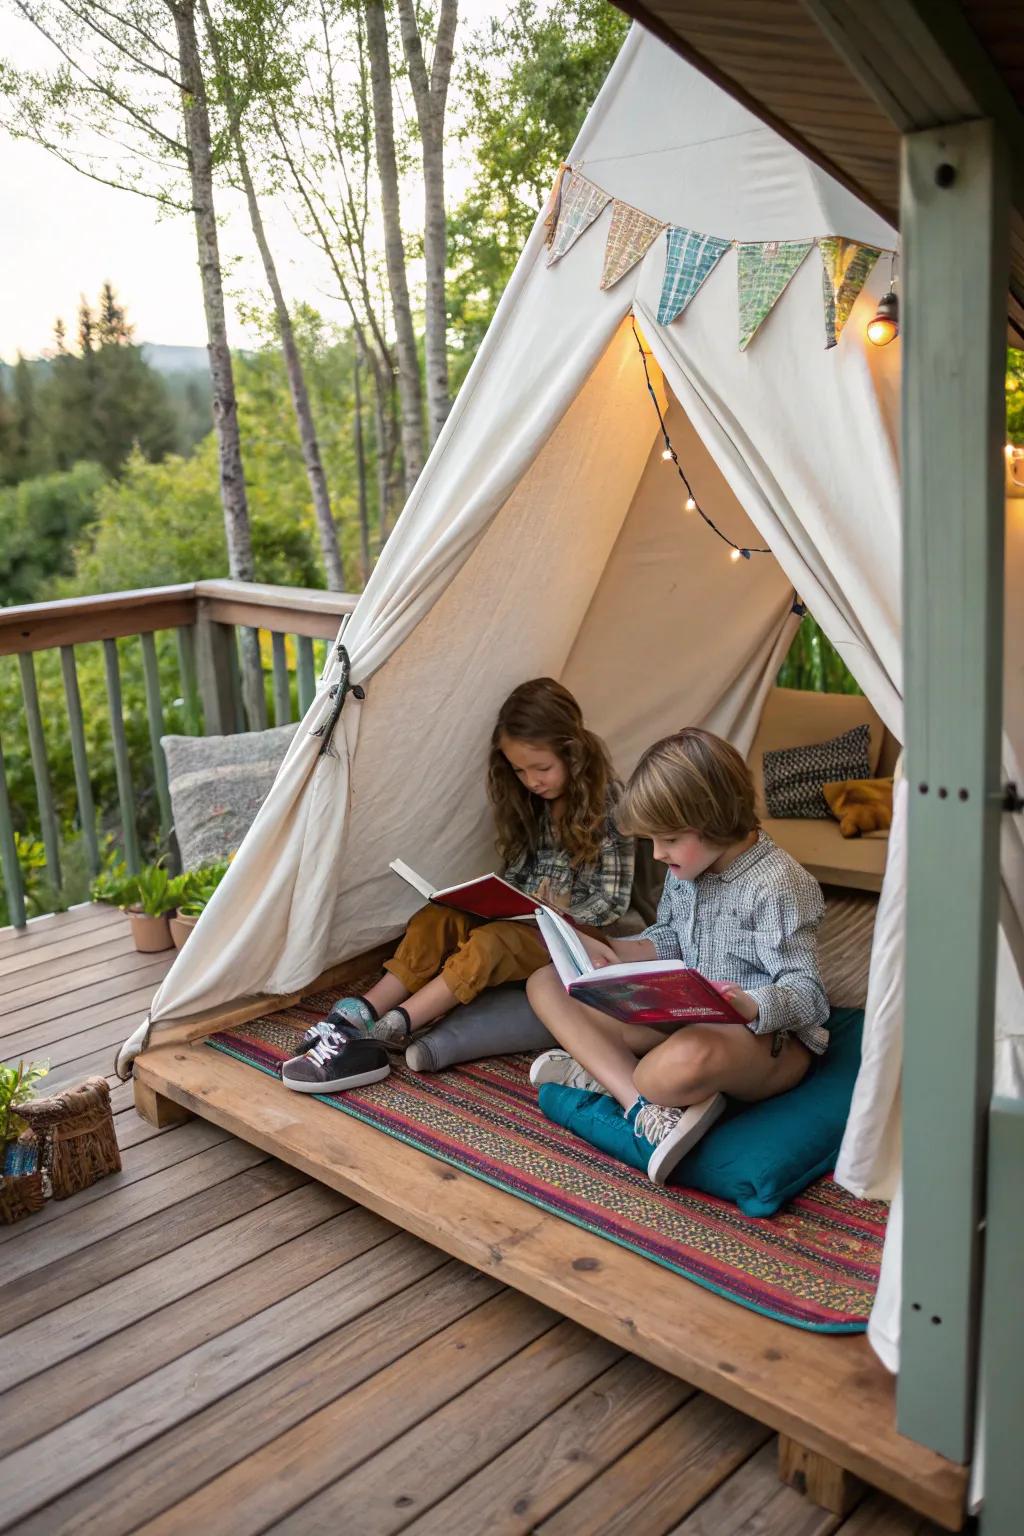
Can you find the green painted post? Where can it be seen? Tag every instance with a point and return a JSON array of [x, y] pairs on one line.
[[186, 638], [122, 767], [155, 718], [83, 785], [305, 673], [1002, 1329], [282, 682], [954, 272], [40, 769], [13, 884]]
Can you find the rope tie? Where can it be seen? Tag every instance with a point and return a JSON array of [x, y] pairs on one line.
[[338, 692]]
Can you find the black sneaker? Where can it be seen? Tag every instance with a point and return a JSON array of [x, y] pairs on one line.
[[343, 1058]]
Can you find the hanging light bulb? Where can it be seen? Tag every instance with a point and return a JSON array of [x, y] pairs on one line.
[[885, 326], [667, 454], [734, 554], [691, 505]]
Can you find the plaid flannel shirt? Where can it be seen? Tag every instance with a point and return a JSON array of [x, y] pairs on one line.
[[756, 924], [598, 893]]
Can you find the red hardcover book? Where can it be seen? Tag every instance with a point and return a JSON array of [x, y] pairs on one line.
[[488, 896], [637, 992]]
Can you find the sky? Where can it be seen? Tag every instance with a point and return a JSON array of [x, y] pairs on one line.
[[67, 235]]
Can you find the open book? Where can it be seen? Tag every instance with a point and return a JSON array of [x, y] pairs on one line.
[[637, 992], [488, 896]]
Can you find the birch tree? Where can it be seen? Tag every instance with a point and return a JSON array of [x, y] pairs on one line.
[[409, 388], [430, 93], [253, 57]]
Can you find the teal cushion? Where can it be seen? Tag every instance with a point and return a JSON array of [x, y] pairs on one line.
[[758, 1155]]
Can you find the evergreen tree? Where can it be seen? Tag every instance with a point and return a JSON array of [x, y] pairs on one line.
[[6, 432], [24, 451]]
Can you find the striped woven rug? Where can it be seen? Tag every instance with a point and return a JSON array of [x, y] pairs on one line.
[[814, 1265]]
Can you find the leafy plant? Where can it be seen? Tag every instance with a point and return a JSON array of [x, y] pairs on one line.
[[153, 890], [17, 1086], [199, 887]]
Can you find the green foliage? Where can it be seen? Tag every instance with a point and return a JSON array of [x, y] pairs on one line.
[[17, 1086], [814, 664], [1015, 396], [154, 891], [40, 520], [97, 404], [528, 78]]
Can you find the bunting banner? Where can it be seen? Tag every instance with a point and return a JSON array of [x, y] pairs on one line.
[[580, 205], [691, 257], [845, 268], [765, 269], [554, 204], [631, 235]]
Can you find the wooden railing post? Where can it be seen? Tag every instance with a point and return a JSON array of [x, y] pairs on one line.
[[215, 665], [40, 769]]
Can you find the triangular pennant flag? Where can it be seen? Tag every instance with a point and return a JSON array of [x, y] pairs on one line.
[[629, 237], [845, 268], [581, 204], [765, 268], [554, 204], [690, 258]]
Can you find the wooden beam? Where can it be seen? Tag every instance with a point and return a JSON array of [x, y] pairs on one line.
[[954, 218], [924, 65], [824, 1482]]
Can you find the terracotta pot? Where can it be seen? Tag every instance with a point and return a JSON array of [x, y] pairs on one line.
[[150, 933], [181, 926]]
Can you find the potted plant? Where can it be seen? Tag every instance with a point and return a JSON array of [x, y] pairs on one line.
[[147, 898], [196, 889], [21, 1176]]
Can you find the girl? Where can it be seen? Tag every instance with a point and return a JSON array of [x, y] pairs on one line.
[[736, 907], [552, 791]]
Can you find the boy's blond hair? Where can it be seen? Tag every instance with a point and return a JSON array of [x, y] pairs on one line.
[[692, 780]]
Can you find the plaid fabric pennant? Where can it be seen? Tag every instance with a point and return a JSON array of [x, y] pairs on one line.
[[580, 206], [690, 258], [630, 236], [765, 269], [845, 268]]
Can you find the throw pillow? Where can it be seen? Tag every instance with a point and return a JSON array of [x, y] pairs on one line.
[[217, 784], [793, 776], [758, 1155], [860, 805]]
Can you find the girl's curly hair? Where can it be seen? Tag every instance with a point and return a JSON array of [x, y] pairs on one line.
[[544, 713]]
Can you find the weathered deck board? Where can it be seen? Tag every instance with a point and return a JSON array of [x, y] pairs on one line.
[[211, 1341]]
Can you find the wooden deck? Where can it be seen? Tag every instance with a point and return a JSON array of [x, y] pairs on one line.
[[212, 1342]]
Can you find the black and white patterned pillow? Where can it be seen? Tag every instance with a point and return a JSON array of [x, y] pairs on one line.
[[793, 776]]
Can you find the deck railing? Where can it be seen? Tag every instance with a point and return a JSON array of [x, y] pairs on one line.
[[200, 672]]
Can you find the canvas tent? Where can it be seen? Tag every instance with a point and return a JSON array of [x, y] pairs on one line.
[[547, 535]]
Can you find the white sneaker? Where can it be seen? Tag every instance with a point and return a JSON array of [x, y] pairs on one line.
[[673, 1132], [560, 1067]]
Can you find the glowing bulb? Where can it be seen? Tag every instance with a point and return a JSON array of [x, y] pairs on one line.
[[885, 327], [1009, 450], [667, 453], [734, 554], [691, 505]]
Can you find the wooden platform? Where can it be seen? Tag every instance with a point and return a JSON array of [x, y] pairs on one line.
[[211, 1341]]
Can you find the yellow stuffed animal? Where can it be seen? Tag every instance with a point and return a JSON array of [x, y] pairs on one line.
[[860, 805]]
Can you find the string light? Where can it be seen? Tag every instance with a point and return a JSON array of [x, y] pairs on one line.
[[668, 453], [885, 326]]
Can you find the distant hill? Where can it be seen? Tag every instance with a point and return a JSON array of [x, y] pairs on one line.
[[167, 359]]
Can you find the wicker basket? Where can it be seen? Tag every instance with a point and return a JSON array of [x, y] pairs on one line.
[[76, 1130], [21, 1182]]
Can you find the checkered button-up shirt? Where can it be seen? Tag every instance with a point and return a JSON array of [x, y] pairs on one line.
[[597, 894], [756, 924]]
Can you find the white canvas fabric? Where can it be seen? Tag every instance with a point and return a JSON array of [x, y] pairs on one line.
[[547, 536]]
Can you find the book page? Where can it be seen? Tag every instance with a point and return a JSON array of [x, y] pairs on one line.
[[412, 878], [552, 931]]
